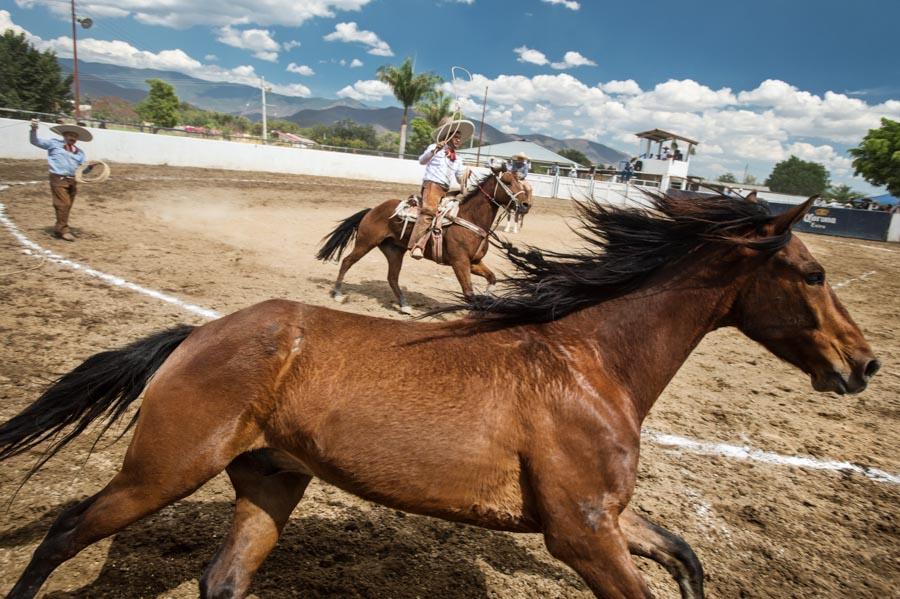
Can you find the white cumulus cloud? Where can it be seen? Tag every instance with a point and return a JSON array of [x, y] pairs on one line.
[[526, 54], [570, 4], [188, 13], [300, 69], [348, 32], [372, 90], [258, 41], [573, 59]]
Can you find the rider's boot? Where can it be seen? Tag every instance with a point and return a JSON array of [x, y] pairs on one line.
[[420, 234]]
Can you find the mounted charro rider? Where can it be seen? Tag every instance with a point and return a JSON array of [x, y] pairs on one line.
[[441, 166]]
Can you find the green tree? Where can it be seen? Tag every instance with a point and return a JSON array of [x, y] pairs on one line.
[[727, 178], [344, 133], [31, 80], [877, 158], [798, 177], [113, 108], [160, 107], [420, 136], [575, 156], [408, 87], [842, 193], [750, 180], [434, 107]]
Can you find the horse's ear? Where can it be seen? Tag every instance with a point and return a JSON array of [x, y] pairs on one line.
[[751, 197], [784, 221]]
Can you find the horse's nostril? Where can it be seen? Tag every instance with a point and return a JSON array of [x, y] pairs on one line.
[[872, 367]]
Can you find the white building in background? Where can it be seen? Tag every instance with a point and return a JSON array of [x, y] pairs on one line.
[[664, 158]]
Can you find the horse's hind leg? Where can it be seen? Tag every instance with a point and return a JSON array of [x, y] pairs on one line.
[[394, 255], [360, 249], [135, 492], [649, 540], [266, 494]]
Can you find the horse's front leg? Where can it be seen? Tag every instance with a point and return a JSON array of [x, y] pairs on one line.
[[650, 540], [581, 488], [482, 270], [463, 269]]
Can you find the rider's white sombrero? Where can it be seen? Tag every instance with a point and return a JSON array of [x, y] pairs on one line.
[[82, 133], [95, 171], [449, 129]]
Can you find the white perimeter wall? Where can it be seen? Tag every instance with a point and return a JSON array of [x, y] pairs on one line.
[[146, 148]]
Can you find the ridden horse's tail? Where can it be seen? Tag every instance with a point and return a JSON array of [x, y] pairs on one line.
[[336, 241], [102, 387]]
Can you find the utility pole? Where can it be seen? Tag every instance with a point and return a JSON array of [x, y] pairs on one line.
[[75, 62], [263, 88], [481, 129]]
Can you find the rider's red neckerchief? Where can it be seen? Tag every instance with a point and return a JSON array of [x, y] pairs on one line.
[[451, 154]]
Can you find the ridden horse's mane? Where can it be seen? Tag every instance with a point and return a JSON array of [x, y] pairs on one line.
[[476, 187], [626, 247]]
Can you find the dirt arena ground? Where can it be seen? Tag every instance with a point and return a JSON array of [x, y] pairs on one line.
[[224, 240]]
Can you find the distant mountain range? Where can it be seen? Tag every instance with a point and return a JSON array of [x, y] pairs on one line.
[[100, 80]]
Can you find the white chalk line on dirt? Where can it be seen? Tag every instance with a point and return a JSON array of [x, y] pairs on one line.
[[748, 453], [34, 249], [861, 245], [699, 447], [861, 277]]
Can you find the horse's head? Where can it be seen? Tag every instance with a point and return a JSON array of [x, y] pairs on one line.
[[512, 190], [787, 305]]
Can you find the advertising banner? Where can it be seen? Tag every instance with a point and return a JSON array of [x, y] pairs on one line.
[[842, 222]]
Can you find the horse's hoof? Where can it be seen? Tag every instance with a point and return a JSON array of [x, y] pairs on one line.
[[339, 298], [406, 310]]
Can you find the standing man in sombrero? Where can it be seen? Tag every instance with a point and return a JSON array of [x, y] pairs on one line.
[[64, 158], [441, 163]]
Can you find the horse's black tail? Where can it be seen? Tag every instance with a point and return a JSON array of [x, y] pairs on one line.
[[335, 242], [102, 387]]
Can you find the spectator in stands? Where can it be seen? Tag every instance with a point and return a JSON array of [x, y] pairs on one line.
[[665, 154], [554, 170], [573, 172], [520, 165], [64, 158], [441, 166]]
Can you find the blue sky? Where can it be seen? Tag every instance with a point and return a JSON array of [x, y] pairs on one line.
[[754, 82]]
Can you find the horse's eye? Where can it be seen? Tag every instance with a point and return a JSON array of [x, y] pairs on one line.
[[815, 278]]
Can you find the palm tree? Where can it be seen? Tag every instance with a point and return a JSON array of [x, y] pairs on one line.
[[842, 193], [434, 107], [408, 87]]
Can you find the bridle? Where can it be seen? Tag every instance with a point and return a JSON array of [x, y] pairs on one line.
[[511, 206]]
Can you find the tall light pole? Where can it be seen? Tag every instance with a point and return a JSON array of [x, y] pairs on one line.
[[86, 23]]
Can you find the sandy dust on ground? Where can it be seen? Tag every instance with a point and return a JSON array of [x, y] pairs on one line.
[[224, 240]]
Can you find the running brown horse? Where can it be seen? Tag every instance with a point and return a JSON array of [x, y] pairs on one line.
[[465, 242], [525, 416]]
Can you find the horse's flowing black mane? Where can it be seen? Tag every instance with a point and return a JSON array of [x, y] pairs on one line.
[[626, 247]]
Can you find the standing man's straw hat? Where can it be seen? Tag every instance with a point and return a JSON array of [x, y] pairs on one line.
[[520, 156], [449, 128], [82, 133]]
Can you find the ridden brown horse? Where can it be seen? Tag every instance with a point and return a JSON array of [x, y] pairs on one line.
[[463, 246], [524, 417]]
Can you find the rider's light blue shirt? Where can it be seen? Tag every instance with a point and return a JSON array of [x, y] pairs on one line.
[[61, 161]]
